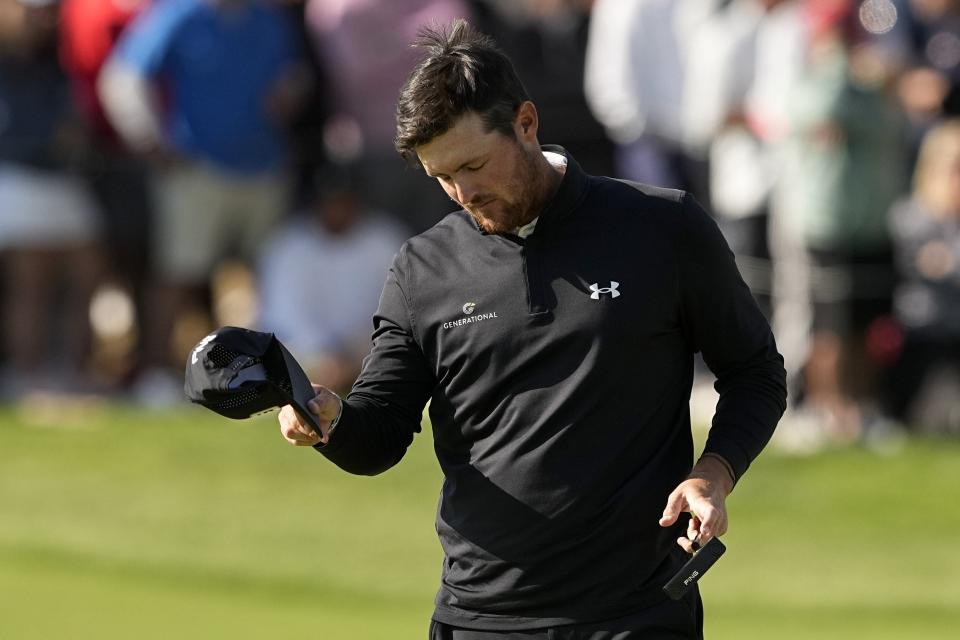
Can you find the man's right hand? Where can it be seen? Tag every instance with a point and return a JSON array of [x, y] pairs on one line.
[[326, 405]]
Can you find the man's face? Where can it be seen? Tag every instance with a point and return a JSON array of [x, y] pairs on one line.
[[491, 175]]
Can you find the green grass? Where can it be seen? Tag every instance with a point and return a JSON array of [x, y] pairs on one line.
[[117, 523]]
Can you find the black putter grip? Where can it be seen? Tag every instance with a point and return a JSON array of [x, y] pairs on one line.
[[694, 568]]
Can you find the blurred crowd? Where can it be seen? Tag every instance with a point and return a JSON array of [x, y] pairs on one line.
[[169, 166]]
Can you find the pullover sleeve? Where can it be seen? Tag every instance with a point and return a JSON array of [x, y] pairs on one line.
[[383, 411], [722, 321]]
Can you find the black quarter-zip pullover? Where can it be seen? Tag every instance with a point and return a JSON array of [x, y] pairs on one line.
[[558, 370]]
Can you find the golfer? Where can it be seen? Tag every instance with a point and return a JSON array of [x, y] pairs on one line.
[[552, 324]]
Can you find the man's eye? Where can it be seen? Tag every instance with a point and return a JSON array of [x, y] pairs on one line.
[[476, 168]]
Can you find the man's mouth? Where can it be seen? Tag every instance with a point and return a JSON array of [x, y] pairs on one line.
[[483, 204]]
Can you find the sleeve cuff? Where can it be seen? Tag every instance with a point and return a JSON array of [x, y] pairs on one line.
[[330, 444], [723, 461]]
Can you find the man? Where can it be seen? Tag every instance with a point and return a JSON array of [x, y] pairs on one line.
[[552, 325]]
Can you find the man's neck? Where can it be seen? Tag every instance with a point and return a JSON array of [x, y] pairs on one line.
[[549, 177]]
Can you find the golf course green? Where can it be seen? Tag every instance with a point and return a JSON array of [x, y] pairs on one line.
[[121, 523]]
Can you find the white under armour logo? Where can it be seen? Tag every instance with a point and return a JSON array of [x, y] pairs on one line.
[[597, 290]]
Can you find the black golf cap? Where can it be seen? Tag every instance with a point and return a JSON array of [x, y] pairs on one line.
[[238, 373]]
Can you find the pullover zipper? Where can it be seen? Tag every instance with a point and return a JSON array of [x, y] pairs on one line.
[[533, 275]]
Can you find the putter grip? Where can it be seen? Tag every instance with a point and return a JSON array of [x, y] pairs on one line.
[[694, 569]]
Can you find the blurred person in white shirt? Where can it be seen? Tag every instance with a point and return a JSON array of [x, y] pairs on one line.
[[336, 250], [635, 79]]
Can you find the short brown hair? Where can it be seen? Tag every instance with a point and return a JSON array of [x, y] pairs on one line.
[[464, 71]]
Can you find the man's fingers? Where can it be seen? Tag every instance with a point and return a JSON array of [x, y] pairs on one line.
[[325, 405], [676, 504], [294, 430], [294, 436], [707, 508], [706, 521], [295, 433], [713, 520], [287, 418], [686, 544], [693, 528], [715, 525]]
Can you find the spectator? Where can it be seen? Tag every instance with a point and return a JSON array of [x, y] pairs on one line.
[[338, 250], [306, 129], [635, 70], [936, 40], [733, 116], [204, 87], [89, 30], [49, 238], [845, 168], [929, 87], [364, 45], [926, 235]]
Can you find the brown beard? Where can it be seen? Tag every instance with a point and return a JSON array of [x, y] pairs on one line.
[[511, 223], [529, 186]]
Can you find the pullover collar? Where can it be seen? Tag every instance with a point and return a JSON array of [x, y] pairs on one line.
[[568, 196]]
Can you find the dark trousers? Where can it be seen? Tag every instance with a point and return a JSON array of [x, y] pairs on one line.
[[668, 620]]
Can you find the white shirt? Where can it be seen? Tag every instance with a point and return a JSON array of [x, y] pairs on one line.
[[635, 64], [319, 290]]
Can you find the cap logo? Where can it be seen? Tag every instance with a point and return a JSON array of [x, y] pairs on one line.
[[469, 308], [195, 356]]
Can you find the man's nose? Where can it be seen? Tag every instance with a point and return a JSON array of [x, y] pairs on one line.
[[466, 192]]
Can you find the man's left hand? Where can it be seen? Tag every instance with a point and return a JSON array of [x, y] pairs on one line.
[[704, 496]]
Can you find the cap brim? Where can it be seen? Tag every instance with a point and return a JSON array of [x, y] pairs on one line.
[[302, 390]]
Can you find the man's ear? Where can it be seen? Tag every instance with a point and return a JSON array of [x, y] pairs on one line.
[[526, 122]]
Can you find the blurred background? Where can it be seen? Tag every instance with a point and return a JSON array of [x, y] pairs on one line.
[[171, 166]]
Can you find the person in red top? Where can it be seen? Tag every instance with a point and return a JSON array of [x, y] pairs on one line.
[[89, 29]]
